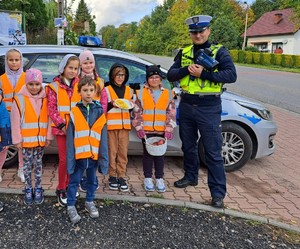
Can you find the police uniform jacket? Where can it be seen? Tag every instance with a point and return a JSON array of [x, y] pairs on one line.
[[226, 70]]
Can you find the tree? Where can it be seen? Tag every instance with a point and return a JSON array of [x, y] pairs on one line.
[[260, 7], [109, 35], [83, 15]]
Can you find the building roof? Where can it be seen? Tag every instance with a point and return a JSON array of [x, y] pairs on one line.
[[277, 22]]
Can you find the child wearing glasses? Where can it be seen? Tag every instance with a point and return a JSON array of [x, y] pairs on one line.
[[118, 126]]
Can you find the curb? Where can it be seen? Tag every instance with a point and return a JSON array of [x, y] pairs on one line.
[[177, 203]]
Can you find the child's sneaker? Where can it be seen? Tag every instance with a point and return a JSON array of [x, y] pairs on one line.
[[38, 196], [28, 197], [123, 185], [73, 215], [148, 184], [160, 185], [1, 206], [21, 175], [62, 197], [113, 183], [91, 208]]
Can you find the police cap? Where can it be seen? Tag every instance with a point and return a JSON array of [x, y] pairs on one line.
[[198, 23]]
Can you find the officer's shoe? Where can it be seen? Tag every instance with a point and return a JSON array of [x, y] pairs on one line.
[[182, 183], [217, 202]]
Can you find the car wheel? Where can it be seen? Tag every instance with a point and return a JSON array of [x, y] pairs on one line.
[[236, 147], [11, 157]]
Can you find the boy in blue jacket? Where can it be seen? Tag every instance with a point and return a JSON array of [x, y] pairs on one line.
[[87, 148], [5, 132]]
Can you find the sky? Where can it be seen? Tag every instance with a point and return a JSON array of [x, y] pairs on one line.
[[116, 12]]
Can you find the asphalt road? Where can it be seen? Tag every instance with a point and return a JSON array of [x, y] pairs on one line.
[[281, 89]]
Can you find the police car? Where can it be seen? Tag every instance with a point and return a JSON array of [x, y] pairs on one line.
[[247, 127]]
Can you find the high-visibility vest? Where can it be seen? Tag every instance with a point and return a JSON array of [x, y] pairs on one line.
[[117, 118], [8, 90], [33, 127], [64, 103], [198, 86], [86, 139], [154, 114]]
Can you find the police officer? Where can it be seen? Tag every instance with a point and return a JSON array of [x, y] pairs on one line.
[[200, 106]]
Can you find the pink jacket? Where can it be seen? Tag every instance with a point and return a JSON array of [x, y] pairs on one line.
[[15, 118], [104, 100], [52, 105]]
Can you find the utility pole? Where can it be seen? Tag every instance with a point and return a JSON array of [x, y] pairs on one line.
[[60, 30], [246, 23]]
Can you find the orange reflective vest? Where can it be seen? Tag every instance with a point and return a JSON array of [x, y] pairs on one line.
[[33, 127], [64, 103], [8, 90], [117, 118], [154, 114], [86, 139]]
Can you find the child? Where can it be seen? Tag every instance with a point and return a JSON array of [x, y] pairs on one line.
[[87, 66], [87, 148], [30, 123], [154, 115], [5, 131], [11, 82], [61, 96], [118, 126]]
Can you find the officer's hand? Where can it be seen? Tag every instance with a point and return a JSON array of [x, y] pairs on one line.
[[195, 70]]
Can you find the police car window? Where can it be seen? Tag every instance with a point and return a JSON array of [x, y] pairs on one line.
[[48, 64], [137, 72]]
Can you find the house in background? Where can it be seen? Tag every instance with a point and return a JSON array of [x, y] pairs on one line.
[[273, 31]]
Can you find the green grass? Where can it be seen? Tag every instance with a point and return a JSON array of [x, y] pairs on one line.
[[159, 196], [271, 67]]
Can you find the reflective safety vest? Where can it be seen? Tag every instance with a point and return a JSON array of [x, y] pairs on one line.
[[33, 127], [198, 86], [64, 103], [8, 90], [117, 118], [86, 139], [154, 114]]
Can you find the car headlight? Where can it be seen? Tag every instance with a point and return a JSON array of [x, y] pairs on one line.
[[260, 111]]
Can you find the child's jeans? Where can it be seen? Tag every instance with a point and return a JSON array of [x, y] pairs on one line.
[[91, 167]]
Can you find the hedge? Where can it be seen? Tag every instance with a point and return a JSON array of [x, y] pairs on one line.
[[260, 58]]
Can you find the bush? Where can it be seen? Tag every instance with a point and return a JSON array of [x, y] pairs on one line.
[[241, 56], [257, 57], [277, 59], [234, 55], [248, 57], [287, 60], [266, 59], [297, 61], [251, 49]]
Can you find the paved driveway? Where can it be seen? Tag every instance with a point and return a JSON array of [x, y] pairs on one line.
[[269, 187]]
